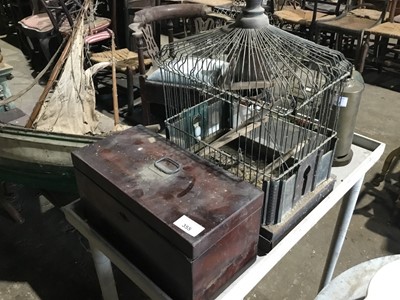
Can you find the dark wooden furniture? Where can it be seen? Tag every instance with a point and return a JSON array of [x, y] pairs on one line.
[[126, 62], [190, 226], [47, 22], [300, 18], [132, 7], [11, 12], [54, 19], [346, 32], [190, 19], [381, 46]]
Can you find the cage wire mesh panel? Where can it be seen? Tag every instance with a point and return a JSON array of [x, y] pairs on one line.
[[256, 101]]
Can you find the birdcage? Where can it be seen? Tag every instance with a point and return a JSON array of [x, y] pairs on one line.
[[256, 101]]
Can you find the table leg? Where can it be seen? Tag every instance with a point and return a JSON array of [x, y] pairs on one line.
[[343, 222], [104, 274]]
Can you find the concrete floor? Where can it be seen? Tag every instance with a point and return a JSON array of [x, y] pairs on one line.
[[45, 258]]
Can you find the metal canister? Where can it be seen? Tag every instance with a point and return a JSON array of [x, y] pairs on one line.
[[348, 105]]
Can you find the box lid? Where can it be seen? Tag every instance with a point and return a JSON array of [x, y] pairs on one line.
[[186, 199]]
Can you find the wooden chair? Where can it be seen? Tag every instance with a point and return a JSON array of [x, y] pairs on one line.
[[126, 62], [133, 6], [299, 18], [346, 31], [13, 11], [384, 41], [193, 18], [54, 19], [47, 22]]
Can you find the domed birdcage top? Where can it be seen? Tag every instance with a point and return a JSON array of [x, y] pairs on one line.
[[251, 58]]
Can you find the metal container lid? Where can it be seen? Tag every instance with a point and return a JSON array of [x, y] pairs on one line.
[[187, 200]]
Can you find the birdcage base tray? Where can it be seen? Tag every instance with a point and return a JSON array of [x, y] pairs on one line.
[[271, 235]]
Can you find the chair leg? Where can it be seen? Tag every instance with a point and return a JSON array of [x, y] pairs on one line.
[[45, 46], [339, 42], [357, 56], [376, 46], [129, 87], [317, 35], [383, 49], [24, 43], [146, 120], [12, 212], [396, 55], [386, 166], [364, 54]]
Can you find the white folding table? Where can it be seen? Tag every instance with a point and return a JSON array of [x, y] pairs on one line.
[[349, 179]]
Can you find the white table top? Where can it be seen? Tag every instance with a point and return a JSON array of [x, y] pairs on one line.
[[366, 153]]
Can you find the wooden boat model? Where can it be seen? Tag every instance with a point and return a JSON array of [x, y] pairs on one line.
[[39, 153], [39, 158]]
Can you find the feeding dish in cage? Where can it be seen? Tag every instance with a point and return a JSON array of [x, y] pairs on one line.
[[264, 114]]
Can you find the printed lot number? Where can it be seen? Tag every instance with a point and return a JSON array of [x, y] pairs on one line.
[[189, 226]]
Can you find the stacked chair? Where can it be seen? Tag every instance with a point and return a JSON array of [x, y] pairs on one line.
[[381, 45], [300, 18], [346, 31]]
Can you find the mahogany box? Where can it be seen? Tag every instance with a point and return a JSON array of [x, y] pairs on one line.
[[190, 226]]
